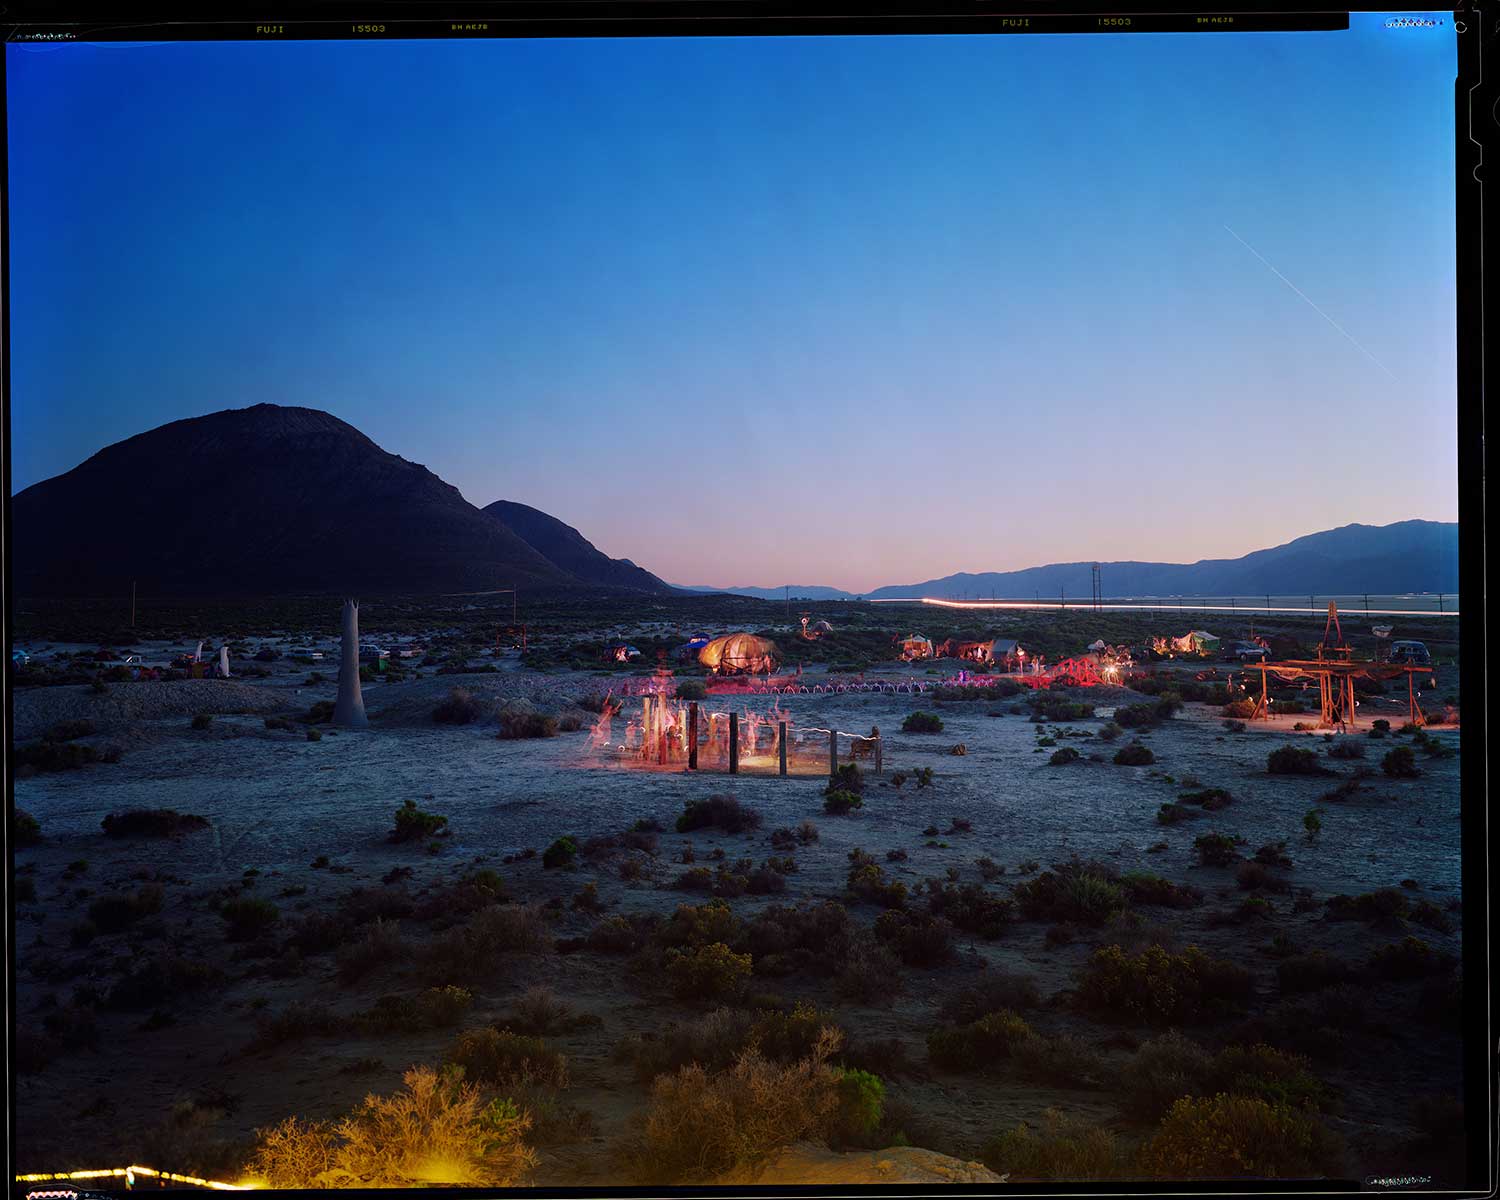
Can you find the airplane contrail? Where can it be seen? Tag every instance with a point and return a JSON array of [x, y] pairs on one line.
[[1310, 304]]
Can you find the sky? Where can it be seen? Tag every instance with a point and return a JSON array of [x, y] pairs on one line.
[[840, 311]]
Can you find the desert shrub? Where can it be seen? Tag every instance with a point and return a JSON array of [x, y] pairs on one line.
[[922, 722], [1164, 1069], [839, 803], [459, 707], [1062, 1061], [861, 1104], [706, 972], [1076, 891], [1272, 854], [971, 908], [766, 880], [1386, 906], [1216, 850], [1211, 799], [1111, 730], [1232, 1136], [712, 1040], [1134, 755], [300, 1019], [1410, 958], [1311, 972], [868, 882], [539, 1013], [435, 1008], [1425, 912], [247, 917], [979, 1045], [1052, 706], [1400, 763], [161, 980], [1146, 888], [438, 1130], [691, 689], [870, 972], [71, 1026], [923, 776], [699, 1126], [996, 990], [561, 853], [25, 829], [54, 756], [849, 777], [1063, 1149], [1294, 760], [1346, 748], [520, 720], [621, 934], [1173, 814], [1064, 756], [718, 812], [1326, 1025], [1255, 876], [1145, 716], [1156, 986], [470, 951], [918, 939], [111, 914], [378, 944], [502, 1058], [151, 822], [412, 824]]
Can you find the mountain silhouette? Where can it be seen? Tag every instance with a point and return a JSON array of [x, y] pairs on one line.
[[260, 501], [566, 548]]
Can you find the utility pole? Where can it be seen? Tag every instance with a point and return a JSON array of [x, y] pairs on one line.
[[1440, 601], [787, 590], [1098, 588]]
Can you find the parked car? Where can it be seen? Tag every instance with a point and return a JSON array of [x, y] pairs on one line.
[[1411, 654], [1244, 652]]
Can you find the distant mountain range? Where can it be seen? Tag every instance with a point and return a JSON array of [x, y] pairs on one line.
[[1408, 556], [274, 500]]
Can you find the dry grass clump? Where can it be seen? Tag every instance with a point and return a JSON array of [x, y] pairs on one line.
[[707, 972], [161, 980], [438, 1131], [111, 914], [995, 990], [917, 939], [970, 907], [979, 1045], [1062, 1149], [1085, 893], [435, 1008], [538, 1011], [1145, 888], [700, 1126], [300, 1019], [522, 719], [380, 944], [502, 1058]]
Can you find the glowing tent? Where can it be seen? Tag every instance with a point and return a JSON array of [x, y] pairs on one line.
[[739, 654], [915, 647], [980, 652]]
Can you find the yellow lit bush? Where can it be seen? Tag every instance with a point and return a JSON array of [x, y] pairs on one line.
[[439, 1130]]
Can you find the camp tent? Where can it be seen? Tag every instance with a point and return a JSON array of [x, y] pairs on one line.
[[623, 653], [1097, 644], [739, 654], [690, 649], [915, 646], [969, 651], [1204, 643], [821, 627], [1007, 652]]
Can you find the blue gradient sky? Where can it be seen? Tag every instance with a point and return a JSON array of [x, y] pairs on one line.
[[838, 311]]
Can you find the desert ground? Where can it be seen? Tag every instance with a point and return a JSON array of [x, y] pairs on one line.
[[165, 1029]]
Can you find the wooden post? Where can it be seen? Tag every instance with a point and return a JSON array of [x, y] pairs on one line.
[[646, 726], [879, 758], [782, 740], [833, 752], [734, 742], [692, 735]]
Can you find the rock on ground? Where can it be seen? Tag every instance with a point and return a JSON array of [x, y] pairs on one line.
[[805, 1163]]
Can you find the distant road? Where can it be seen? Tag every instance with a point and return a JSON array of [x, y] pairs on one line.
[[1351, 606]]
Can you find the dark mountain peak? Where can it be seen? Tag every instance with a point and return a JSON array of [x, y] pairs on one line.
[[255, 501], [569, 550]]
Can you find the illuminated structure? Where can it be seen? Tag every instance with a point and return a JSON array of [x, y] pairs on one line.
[[1336, 669]]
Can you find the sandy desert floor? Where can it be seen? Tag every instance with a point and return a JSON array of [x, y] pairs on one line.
[[276, 802]]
